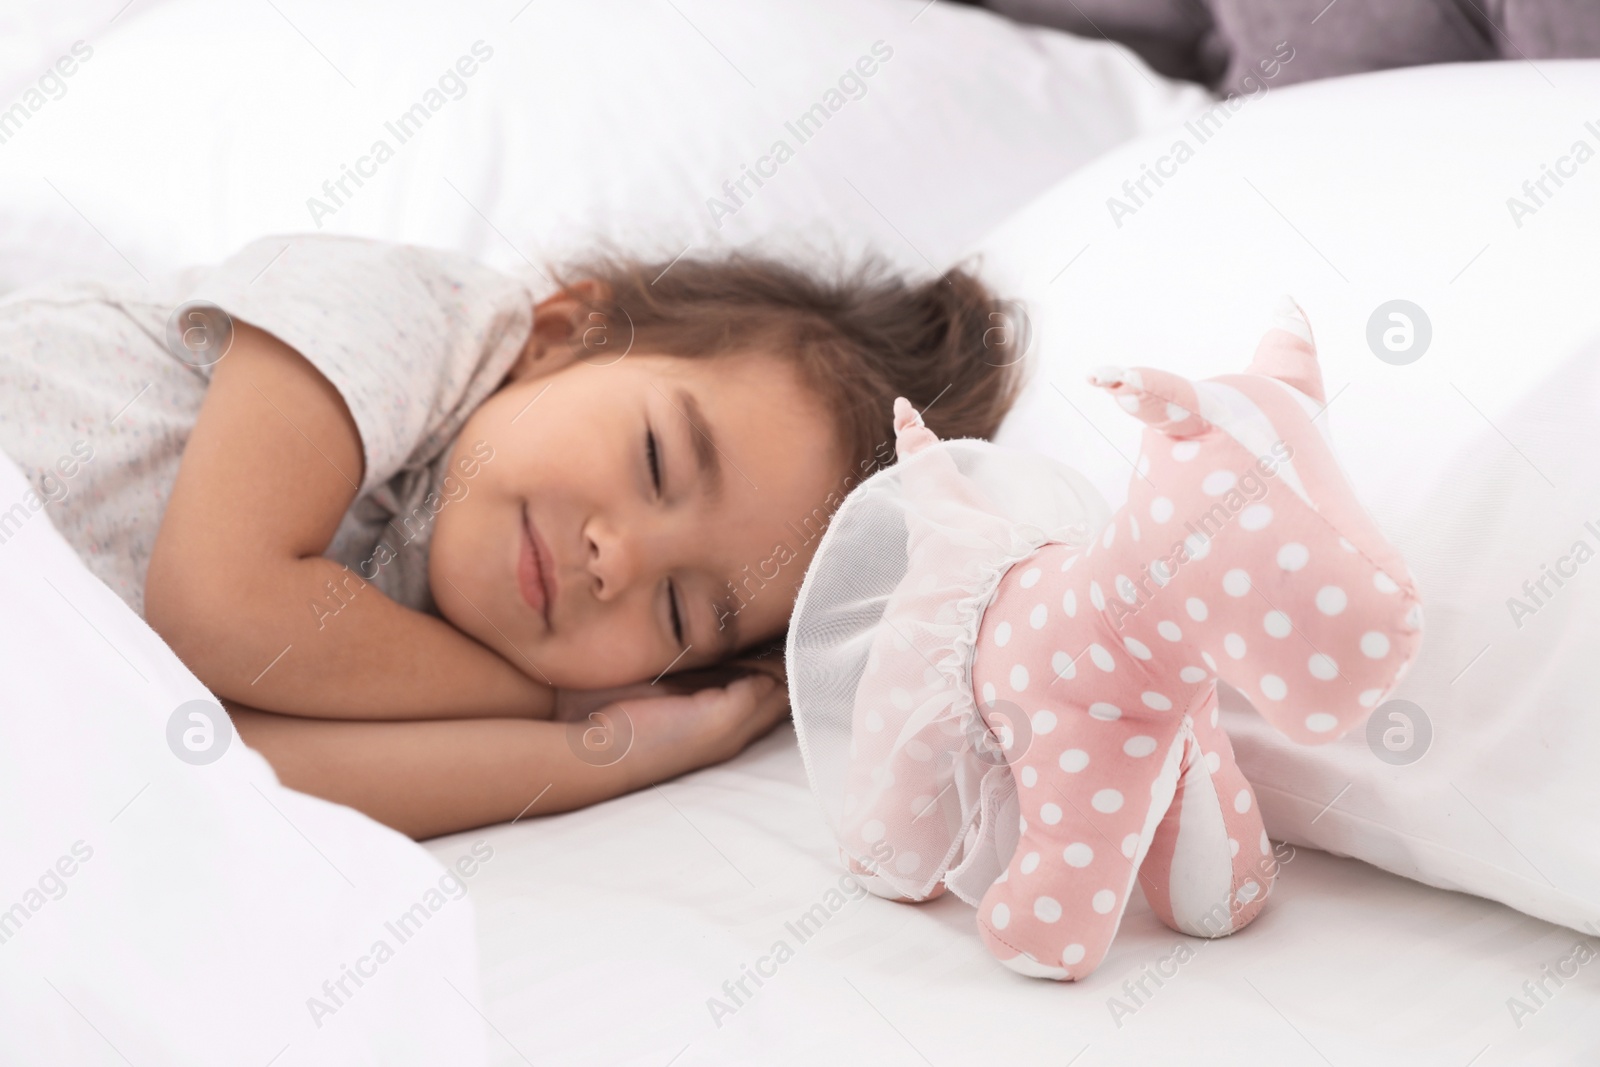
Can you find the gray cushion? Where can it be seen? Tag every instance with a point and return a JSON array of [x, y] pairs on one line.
[[1222, 43]]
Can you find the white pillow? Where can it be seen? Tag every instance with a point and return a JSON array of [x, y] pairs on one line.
[[198, 125], [1477, 460], [187, 908]]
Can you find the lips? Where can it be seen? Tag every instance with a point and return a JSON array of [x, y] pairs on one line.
[[534, 570]]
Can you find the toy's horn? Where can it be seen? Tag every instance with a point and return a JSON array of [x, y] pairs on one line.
[[1288, 353], [911, 434]]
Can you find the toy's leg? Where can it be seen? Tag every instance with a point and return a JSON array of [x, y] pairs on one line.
[[1055, 910], [1093, 781], [1210, 866]]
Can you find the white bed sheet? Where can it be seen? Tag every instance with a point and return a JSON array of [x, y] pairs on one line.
[[604, 932]]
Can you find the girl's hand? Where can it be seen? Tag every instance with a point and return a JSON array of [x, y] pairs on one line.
[[665, 735], [576, 705], [573, 705]]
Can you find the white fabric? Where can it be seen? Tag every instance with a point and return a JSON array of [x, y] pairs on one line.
[[605, 932], [414, 339], [893, 600], [199, 125], [1477, 460], [155, 911]]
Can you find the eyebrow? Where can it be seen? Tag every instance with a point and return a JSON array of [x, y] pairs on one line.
[[707, 455]]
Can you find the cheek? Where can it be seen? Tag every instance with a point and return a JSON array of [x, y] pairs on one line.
[[607, 650]]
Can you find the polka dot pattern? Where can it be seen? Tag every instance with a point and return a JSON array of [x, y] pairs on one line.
[[1275, 600], [1107, 801], [1255, 517]]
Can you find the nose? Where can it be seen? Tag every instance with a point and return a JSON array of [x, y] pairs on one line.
[[618, 560]]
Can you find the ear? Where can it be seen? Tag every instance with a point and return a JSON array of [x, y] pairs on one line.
[[558, 329]]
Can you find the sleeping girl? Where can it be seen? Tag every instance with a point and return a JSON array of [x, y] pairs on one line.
[[408, 517]]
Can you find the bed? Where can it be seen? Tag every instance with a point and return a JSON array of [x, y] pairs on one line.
[[620, 957], [1406, 928]]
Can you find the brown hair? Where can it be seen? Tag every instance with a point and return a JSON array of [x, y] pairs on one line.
[[859, 336]]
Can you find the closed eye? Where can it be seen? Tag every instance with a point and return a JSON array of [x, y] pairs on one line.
[[677, 617], [653, 458]]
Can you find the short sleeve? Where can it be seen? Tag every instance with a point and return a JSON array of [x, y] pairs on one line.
[[414, 339]]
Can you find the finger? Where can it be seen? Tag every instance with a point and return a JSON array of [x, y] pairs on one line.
[[738, 697], [769, 712]]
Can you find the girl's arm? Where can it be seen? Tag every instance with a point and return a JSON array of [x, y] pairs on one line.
[[272, 465], [430, 778]]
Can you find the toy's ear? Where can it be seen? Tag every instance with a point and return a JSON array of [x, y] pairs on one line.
[[1170, 404], [1288, 353], [1166, 402], [911, 436]]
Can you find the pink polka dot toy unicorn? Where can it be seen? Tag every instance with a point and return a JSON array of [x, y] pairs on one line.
[[1004, 691]]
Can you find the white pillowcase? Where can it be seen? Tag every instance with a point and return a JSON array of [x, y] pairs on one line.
[[199, 125], [1477, 460]]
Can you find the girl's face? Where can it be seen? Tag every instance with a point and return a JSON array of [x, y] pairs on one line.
[[656, 513]]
